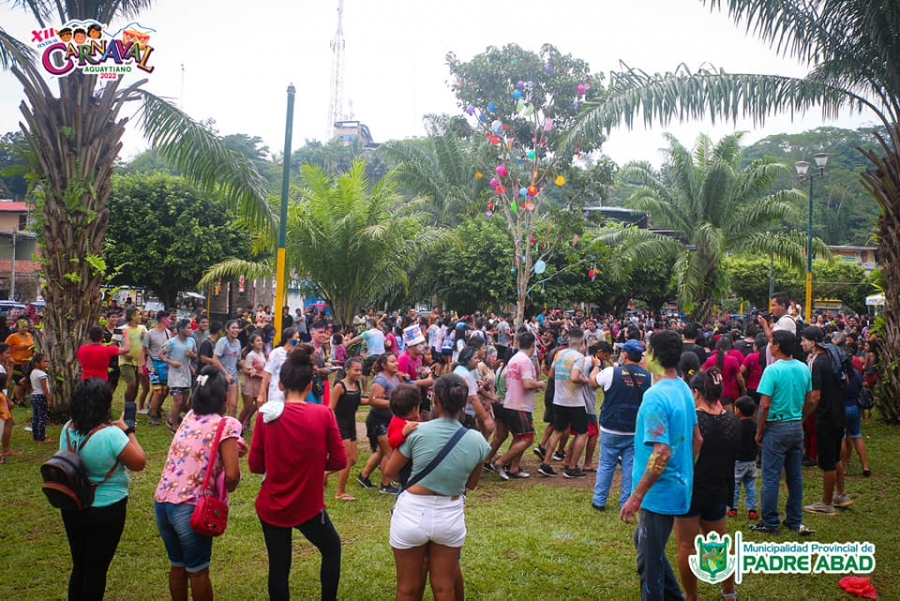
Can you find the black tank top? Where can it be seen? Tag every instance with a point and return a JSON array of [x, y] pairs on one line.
[[348, 402]]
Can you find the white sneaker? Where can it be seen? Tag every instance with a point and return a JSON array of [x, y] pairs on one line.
[[28, 428], [144, 411], [842, 500]]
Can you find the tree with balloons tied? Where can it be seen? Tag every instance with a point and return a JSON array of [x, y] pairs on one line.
[[522, 103]]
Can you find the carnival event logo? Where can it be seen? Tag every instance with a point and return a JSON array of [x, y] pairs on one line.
[[714, 561], [87, 47]]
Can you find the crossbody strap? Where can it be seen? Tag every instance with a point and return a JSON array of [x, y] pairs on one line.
[[77, 450], [457, 436], [212, 455]]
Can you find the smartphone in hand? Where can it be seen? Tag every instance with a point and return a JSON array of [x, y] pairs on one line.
[[130, 414]]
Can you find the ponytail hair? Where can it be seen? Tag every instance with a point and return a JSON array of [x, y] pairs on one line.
[[452, 392], [709, 384], [35, 359], [297, 371]]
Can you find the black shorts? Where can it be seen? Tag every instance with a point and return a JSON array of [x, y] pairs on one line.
[[574, 418], [376, 427], [520, 423], [708, 512], [549, 412], [468, 421], [347, 426], [367, 365], [828, 445], [18, 372]]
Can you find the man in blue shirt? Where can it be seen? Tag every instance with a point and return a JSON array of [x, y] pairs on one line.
[[666, 441]]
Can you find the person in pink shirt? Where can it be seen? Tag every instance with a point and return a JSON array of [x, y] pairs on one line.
[[732, 380], [294, 451]]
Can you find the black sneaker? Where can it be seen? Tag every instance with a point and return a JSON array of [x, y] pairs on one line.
[[575, 472], [598, 507], [546, 470], [539, 451], [557, 456], [389, 490], [762, 528], [364, 482], [489, 466]]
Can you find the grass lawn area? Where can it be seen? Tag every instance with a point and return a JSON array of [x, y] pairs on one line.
[[533, 539]]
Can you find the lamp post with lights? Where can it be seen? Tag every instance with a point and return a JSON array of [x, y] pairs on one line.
[[802, 168]]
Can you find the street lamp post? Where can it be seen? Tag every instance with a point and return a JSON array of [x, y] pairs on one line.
[[281, 253], [802, 168]]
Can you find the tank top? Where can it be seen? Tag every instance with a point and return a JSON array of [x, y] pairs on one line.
[[388, 384], [348, 402]]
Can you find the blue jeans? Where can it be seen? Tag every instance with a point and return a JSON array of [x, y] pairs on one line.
[[745, 473], [612, 446], [185, 547], [782, 447], [658, 582]]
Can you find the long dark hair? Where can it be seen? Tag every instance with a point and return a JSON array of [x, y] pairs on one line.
[[297, 371], [709, 384], [210, 391], [452, 392], [91, 405], [722, 348], [32, 365]]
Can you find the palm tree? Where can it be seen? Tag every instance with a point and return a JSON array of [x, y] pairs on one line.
[[74, 138], [357, 244], [851, 48], [711, 207]]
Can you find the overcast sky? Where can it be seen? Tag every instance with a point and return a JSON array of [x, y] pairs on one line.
[[232, 61]]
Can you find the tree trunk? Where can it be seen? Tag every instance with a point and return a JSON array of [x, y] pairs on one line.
[[74, 140], [883, 183]]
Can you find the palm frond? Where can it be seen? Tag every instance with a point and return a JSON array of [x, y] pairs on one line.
[[204, 159], [13, 51], [234, 268]]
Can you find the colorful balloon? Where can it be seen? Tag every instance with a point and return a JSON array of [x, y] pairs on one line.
[[500, 189], [496, 126], [491, 107], [478, 175], [517, 94], [513, 207], [540, 267], [560, 180], [532, 190], [501, 170], [529, 206], [495, 139], [470, 109], [531, 154], [580, 89], [548, 68], [494, 181], [523, 191], [487, 213]]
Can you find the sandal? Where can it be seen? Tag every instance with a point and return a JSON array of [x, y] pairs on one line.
[[172, 428], [730, 596], [11, 453], [345, 497]]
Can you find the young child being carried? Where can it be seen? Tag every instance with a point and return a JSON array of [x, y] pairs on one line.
[[745, 465], [404, 401]]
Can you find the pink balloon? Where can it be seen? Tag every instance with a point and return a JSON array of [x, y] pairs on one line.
[[580, 89], [501, 171]]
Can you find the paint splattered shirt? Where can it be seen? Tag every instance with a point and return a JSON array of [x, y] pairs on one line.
[[667, 416]]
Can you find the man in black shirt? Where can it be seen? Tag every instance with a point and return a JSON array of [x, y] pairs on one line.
[[691, 331], [828, 398]]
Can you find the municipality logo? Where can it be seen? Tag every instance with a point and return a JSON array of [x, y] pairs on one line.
[[713, 562]]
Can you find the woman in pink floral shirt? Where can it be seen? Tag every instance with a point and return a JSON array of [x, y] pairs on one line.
[[182, 478]]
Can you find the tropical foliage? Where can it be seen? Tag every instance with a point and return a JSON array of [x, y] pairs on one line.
[[356, 242], [850, 48], [710, 207], [73, 138]]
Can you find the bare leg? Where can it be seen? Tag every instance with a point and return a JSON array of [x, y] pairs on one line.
[[686, 530], [860, 445], [410, 577], [343, 475], [201, 587], [589, 450], [443, 566], [720, 527], [248, 410], [178, 584], [231, 400]]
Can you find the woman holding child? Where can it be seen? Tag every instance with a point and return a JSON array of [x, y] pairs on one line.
[[428, 521]]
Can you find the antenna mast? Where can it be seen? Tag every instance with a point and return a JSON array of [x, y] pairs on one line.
[[336, 104]]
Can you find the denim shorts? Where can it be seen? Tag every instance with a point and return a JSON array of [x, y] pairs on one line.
[[185, 548], [853, 425]]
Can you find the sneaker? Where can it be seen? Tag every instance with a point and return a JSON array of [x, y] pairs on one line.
[[364, 482], [576, 472], [598, 507], [763, 529], [27, 428], [501, 471], [546, 470], [489, 466], [520, 474], [389, 490], [820, 508], [143, 411], [557, 456], [539, 451], [732, 513], [800, 529], [842, 500], [752, 515], [807, 462]]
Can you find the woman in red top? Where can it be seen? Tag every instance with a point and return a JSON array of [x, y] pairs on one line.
[[732, 380], [753, 365], [294, 451]]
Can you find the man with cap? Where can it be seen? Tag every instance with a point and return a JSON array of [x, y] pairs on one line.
[[570, 377], [623, 390], [828, 399]]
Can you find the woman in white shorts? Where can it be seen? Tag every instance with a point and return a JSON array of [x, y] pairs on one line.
[[428, 523]]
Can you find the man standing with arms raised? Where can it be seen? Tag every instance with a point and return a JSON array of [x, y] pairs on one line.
[[666, 442]]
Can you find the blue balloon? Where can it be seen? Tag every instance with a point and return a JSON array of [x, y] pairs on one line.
[[481, 117], [491, 107], [523, 191], [517, 94]]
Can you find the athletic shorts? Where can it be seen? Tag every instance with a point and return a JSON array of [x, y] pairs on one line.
[[376, 427], [549, 412], [708, 512], [347, 426], [520, 423], [180, 391], [575, 418], [593, 428], [128, 372], [499, 413], [417, 520], [828, 445], [367, 365], [447, 352], [18, 372]]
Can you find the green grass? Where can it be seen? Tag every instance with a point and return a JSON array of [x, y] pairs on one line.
[[527, 539]]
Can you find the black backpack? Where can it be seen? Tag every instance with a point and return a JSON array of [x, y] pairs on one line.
[[66, 482]]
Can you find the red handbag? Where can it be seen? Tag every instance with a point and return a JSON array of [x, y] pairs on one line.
[[210, 517]]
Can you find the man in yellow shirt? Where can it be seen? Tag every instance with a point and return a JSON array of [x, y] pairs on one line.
[[130, 368]]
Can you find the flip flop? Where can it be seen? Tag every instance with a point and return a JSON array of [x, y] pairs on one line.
[[173, 429], [345, 497], [11, 453], [585, 469]]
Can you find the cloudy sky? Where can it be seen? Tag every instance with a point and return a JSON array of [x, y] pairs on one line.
[[232, 61]]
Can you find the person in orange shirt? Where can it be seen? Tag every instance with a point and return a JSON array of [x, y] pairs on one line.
[[21, 347]]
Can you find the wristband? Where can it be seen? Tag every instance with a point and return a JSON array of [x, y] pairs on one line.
[[128, 431]]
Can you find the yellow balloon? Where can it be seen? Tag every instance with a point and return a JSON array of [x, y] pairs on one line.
[[478, 175], [560, 180]]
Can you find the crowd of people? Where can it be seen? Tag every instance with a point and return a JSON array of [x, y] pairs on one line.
[[688, 412]]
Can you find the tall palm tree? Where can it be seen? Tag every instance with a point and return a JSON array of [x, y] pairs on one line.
[[356, 243], [74, 136], [852, 49], [712, 207]]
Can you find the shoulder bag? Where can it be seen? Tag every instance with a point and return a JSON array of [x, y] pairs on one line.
[[210, 517]]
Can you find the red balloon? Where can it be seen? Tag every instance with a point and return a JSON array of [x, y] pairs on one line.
[[532, 190], [495, 139]]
